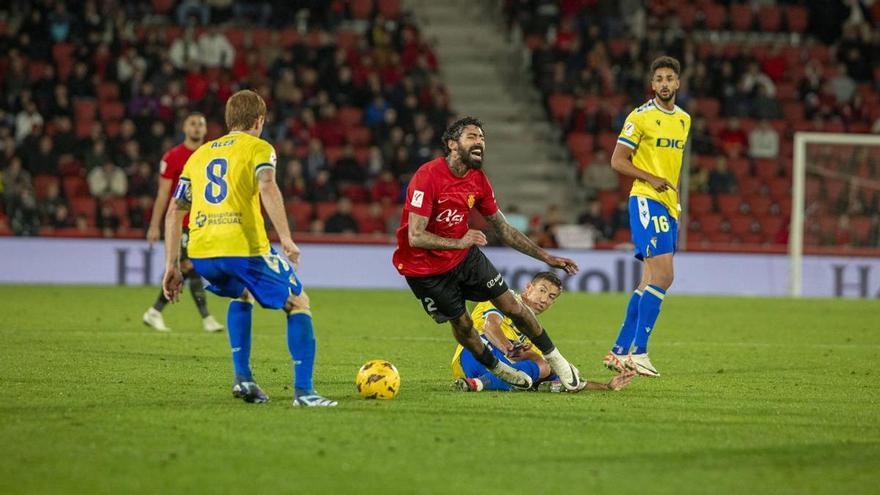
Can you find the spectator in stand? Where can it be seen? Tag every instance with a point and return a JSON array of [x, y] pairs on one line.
[[193, 9], [599, 176], [347, 171], [15, 180], [44, 159], [763, 141], [185, 50], [139, 212], [592, 218], [374, 223], [842, 86], [292, 181], [322, 188], [27, 120], [385, 188], [52, 202], [701, 142], [24, 215], [142, 181], [60, 218], [732, 138], [315, 160], [699, 179], [721, 179], [341, 221], [107, 181], [107, 220], [375, 162]]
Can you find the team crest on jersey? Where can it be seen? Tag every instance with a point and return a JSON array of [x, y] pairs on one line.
[[471, 200]]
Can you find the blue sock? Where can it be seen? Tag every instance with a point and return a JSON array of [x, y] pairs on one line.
[[301, 344], [492, 382], [238, 323], [649, 310], [628, 329]]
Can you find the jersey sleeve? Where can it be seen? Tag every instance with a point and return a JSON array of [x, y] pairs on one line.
[[264, 156], [184, 186], [165, 170], [631, 134], [420, 194], [487, 205]]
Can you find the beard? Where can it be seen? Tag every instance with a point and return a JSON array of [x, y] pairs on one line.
[[471, 161], [666, 99]]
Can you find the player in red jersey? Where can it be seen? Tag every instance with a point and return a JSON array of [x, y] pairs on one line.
[[194, 130], [442, 262]]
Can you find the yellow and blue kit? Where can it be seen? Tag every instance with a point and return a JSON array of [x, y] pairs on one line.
[[228, 244], [657, 137]]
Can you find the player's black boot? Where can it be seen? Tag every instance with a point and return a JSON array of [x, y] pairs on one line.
[[249, 392]]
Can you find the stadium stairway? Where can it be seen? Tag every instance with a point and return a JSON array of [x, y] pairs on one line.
[[486, 79]]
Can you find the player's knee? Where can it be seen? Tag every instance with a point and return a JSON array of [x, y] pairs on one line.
[[297, 303], [246, 297], [662, 279]]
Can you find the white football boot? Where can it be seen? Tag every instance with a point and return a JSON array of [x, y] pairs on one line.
[[153, 319], [211, 325], [642, 365], [516, 378], [568, 375]]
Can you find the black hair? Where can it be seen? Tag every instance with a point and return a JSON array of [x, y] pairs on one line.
[[550, 277], [666, 62], [453, 132]]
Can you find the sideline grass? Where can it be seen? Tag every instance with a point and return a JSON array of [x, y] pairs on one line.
[[758, 396]]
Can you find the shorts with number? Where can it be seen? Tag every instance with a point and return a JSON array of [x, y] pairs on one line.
[[443, 296], [269, 278], [654, 230]]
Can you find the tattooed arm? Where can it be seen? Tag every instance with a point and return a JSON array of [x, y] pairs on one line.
[[172, 281], [512, 237], [421, 238]]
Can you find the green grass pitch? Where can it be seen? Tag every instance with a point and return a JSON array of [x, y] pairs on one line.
[[757, 396]]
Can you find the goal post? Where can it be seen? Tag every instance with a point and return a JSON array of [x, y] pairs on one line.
[[820, 156]]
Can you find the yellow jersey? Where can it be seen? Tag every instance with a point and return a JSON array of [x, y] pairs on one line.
[[221, 178], [657, 137], [480, 313]]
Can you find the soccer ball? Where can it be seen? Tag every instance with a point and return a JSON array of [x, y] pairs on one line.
[[378, 379]]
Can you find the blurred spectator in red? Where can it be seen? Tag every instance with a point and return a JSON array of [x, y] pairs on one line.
[[732, 138], [374, 223], [385, 189]]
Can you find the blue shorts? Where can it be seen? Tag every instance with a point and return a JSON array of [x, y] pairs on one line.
[[654, 230], [269, 278], [474, 369]]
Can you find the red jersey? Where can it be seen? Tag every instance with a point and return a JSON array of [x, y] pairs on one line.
[[171, 167], [446, 200]]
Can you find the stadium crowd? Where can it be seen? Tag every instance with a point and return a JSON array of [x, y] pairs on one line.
[[753, 74], [94, 92]]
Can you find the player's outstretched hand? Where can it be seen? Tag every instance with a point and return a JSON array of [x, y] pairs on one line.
[[172, 284], [152, 234], [291, 250], [473, 237], [660, 184], [566, 264], [622, 380]]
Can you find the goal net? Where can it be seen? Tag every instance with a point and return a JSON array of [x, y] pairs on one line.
[[835, 198]]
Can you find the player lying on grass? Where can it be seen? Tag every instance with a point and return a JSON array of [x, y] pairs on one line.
[[511, 346]]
